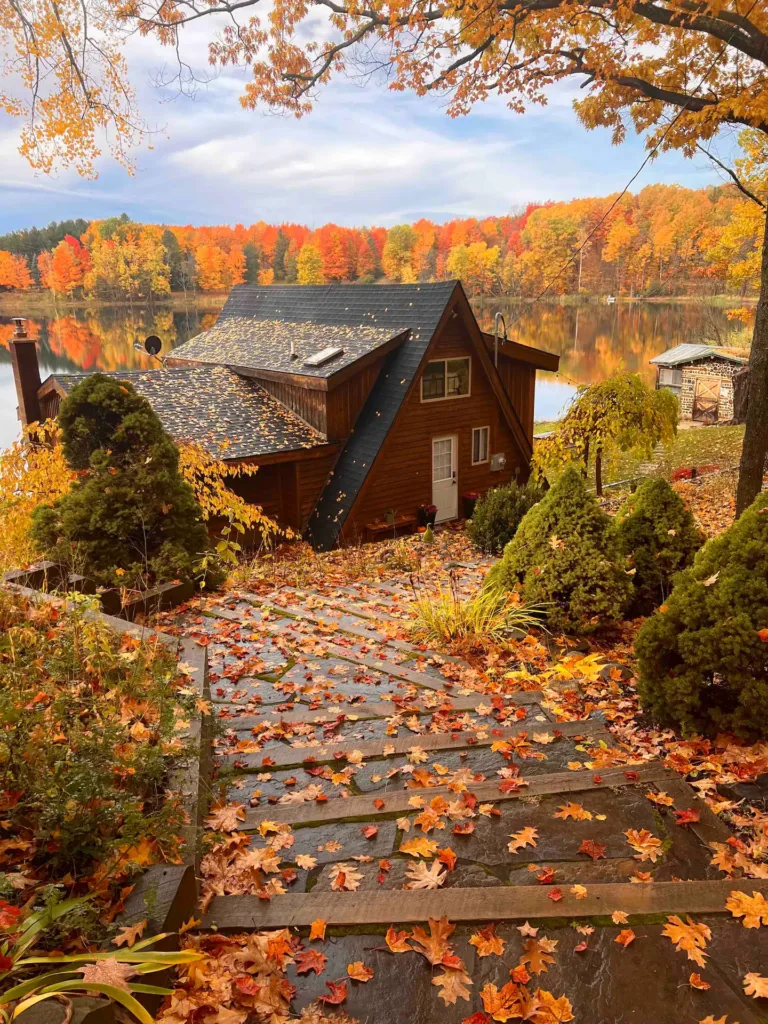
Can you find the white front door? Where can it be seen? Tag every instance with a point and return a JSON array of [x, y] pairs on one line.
[[445, 488]]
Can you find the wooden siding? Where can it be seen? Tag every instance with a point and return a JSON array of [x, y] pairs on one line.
[[312, 476], [520, 384], [401, 477], [346, 401], [309, 404]]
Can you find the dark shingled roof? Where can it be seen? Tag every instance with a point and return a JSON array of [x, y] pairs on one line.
[[257, 344], [230, 416], [418, 307]]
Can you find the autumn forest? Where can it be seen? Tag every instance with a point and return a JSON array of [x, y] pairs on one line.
[[665, 240]]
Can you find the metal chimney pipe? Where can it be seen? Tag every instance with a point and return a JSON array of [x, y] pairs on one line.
[[496, 319], [293, 349], [19, 330]]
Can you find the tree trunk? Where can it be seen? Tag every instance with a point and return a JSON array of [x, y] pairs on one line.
[[756, 433], [599, 472]]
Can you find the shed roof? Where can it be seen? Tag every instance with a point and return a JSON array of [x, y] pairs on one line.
[[688, 353], [230, 416]]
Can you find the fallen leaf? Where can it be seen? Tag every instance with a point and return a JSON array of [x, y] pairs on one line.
[[579, 891], [128, 935], [527, 930], [593, 849], [107, 972], [574, 811], [423, 877], [488, 943], [337, 993], [519, 840], [370, 831], [419, 846], [753, 909], [688, 935], [310, 960], [696, 981], [648, 847], [453, 985], [619, 917], [625, 937], [397, 941], [317, 930], [503, 1003], [537, 953], [358, 971], [435, 945], [756, 986]]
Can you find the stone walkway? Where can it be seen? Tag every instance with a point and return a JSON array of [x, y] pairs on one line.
[[392, 792]]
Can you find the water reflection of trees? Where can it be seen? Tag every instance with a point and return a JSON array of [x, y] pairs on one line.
[[104, 340], [595, 340]]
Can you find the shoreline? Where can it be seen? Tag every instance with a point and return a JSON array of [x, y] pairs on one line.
[[41, 303]]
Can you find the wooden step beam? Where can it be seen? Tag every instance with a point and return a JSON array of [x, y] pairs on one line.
[[396, 801], [496, 903]]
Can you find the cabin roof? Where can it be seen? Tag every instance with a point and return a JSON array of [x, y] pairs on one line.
[[420, 307], [689, 353], [230, 416], [249, 342], [536, 357]]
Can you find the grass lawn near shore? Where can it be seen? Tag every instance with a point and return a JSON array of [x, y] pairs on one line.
[[693, 446]]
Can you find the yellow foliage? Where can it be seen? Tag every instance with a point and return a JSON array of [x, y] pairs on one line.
[[32, 472], [208, 477]]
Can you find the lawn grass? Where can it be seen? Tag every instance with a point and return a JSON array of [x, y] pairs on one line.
[[704, 446]]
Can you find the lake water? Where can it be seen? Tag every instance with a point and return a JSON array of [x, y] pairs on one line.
[[593, 340]]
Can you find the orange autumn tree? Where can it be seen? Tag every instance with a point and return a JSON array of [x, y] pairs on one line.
[[14, 272], [677, 70]]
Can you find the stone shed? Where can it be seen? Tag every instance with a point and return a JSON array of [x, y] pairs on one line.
[[702, 378]]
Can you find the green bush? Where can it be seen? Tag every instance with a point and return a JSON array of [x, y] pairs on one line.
[[89, 732], [564, 555], [498, 514], [130, 519], [656, 532], [703, 665]]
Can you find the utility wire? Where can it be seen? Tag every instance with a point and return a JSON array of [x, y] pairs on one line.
[[634, 177]]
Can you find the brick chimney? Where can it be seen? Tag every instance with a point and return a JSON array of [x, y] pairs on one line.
[[26, 373]]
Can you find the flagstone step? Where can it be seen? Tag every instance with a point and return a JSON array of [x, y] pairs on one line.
[[329, 712], [370, 807], [331, 751], [494, 903]]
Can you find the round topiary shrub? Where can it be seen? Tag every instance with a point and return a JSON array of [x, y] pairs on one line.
[[130, 519], [564, 557], [498, 514], [703, 658], [657, 533]]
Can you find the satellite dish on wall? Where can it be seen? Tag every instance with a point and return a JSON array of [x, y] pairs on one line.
[[153, 344]]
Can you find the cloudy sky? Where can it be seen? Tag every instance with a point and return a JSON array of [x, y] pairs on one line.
[[364, 156]]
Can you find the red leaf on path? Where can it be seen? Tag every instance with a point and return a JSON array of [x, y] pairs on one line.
[[580, 948], [555, 895], [370, 831], [477, 1018], [625, 937], [447, 857], [593, 849], [246, 984], [378, 804], [520, 975], [597, 779], [687, 817], [267, 761], [546, 876], [465, 828], [509, 786], [337, 993], [311, 960], [631, 776]]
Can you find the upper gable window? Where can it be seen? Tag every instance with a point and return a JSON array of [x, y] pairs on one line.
[[445, 378]]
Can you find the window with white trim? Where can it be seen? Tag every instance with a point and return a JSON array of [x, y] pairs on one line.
[[480, 444], [445, 378]]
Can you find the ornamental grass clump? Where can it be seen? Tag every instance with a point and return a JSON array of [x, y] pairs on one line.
[[498, 514], [129, 519], [657, 534], [564, 557], [703, 657]]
